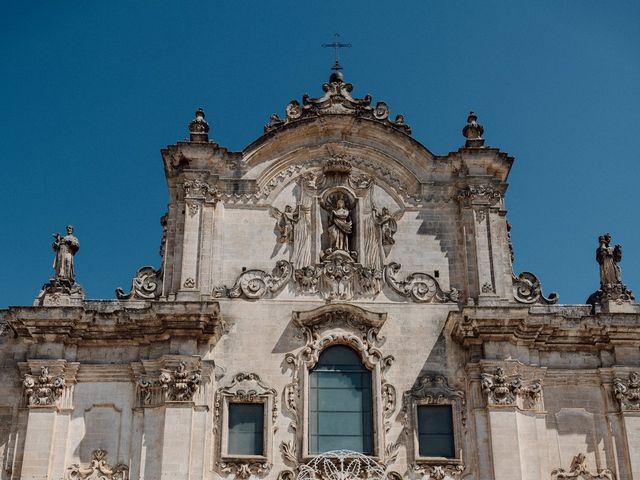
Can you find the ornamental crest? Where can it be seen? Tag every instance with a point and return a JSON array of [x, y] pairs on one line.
[[98, 469]]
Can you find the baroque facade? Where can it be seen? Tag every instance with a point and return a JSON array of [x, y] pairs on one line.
[[333, 302]]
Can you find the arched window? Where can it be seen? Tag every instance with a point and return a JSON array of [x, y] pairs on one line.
[[340, 403]]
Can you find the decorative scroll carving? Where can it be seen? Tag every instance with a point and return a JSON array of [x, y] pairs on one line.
[[44, 389], [342, 465], [419, 287], [244, 469], [611, 286], [254, 284], [180, 384], [337, 100], [503, 389], [198, 189], [527, 289], [98, 469], [480, 194], [189, 283], [389, 400], [628, 391], [438, 472], [146, 285], [580, 470]]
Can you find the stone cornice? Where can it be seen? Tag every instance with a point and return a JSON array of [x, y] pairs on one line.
[[562, 327], [101, 323]]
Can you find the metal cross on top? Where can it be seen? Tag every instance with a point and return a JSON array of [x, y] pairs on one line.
[[336, 45]]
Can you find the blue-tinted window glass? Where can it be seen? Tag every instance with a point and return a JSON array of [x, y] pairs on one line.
[[246, 424], [340, 405], [435, 431]]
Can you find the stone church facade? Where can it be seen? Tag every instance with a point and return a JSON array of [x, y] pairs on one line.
[[335, 302]]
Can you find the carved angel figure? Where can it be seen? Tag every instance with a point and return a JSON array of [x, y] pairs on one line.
[[65, 248], [340, 225], [285, 222], [388, 224], [608, 258]]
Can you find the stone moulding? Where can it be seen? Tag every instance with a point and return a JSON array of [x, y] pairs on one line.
[[255, 284], [98, 469], [580, 470], [146, 285], [527, 289], [101, 323], [506, 390], [419, 287], [627, 392]]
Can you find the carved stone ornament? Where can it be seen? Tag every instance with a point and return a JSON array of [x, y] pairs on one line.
[[146, 285], [244, 469], [197, 189], [473, 132], [179, 385], [98, 469], [246, 388], [503, 389], [419, 287], [432, 389], [255, 284], [337, 100], [438, 472], [628, 392], [527, 289], [580, 470], [44, 389], [611, 286]]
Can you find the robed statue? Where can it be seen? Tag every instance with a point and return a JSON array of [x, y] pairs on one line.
[[608, 258], [387, 223], [340, 225], [286, 222], [65, 248]]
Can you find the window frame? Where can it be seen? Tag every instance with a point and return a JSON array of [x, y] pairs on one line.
[[434, 390]]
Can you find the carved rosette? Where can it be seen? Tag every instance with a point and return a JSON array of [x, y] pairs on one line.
[[627, 392], [43, 390], [580, 470], [180, 385], [419, 287], [527, 289], [146, 285], [505, 390], [98, 469], [337, 100], [438, 472], [255, 284]]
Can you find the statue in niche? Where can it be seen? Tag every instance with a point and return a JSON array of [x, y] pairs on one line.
[[388, 224], [340, 224], [286, 222], [608, 257], [65, 247]]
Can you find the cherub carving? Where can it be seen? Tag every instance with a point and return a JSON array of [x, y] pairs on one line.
[[388, 224], [340, 225], [286, 222]]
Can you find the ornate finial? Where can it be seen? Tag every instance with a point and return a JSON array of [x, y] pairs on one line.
[[473, 132], [611, 286], [336, 45], [199, 128]]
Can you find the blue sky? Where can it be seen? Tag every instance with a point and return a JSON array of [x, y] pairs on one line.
[[92, 90]]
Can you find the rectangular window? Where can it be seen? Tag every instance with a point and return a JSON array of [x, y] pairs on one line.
[[246, 429], [435, 431]]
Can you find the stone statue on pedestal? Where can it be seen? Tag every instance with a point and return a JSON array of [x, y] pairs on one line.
[[65, 247], [611, 286]]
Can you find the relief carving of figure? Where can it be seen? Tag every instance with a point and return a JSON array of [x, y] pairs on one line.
[[608, 257], [387, 223], [340, 225], [286, 222], [65, 248]]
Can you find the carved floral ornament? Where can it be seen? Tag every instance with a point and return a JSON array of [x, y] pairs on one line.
[[98, 469], [245, 388], [199, 190], [580, 470], [176, 385], [343, 325], [503, 389], [627, 392], [44, 389], [337, 100]]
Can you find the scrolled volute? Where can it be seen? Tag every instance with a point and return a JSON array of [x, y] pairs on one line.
[[419, 287], [255, 284], [528, 289], [146, 285]]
